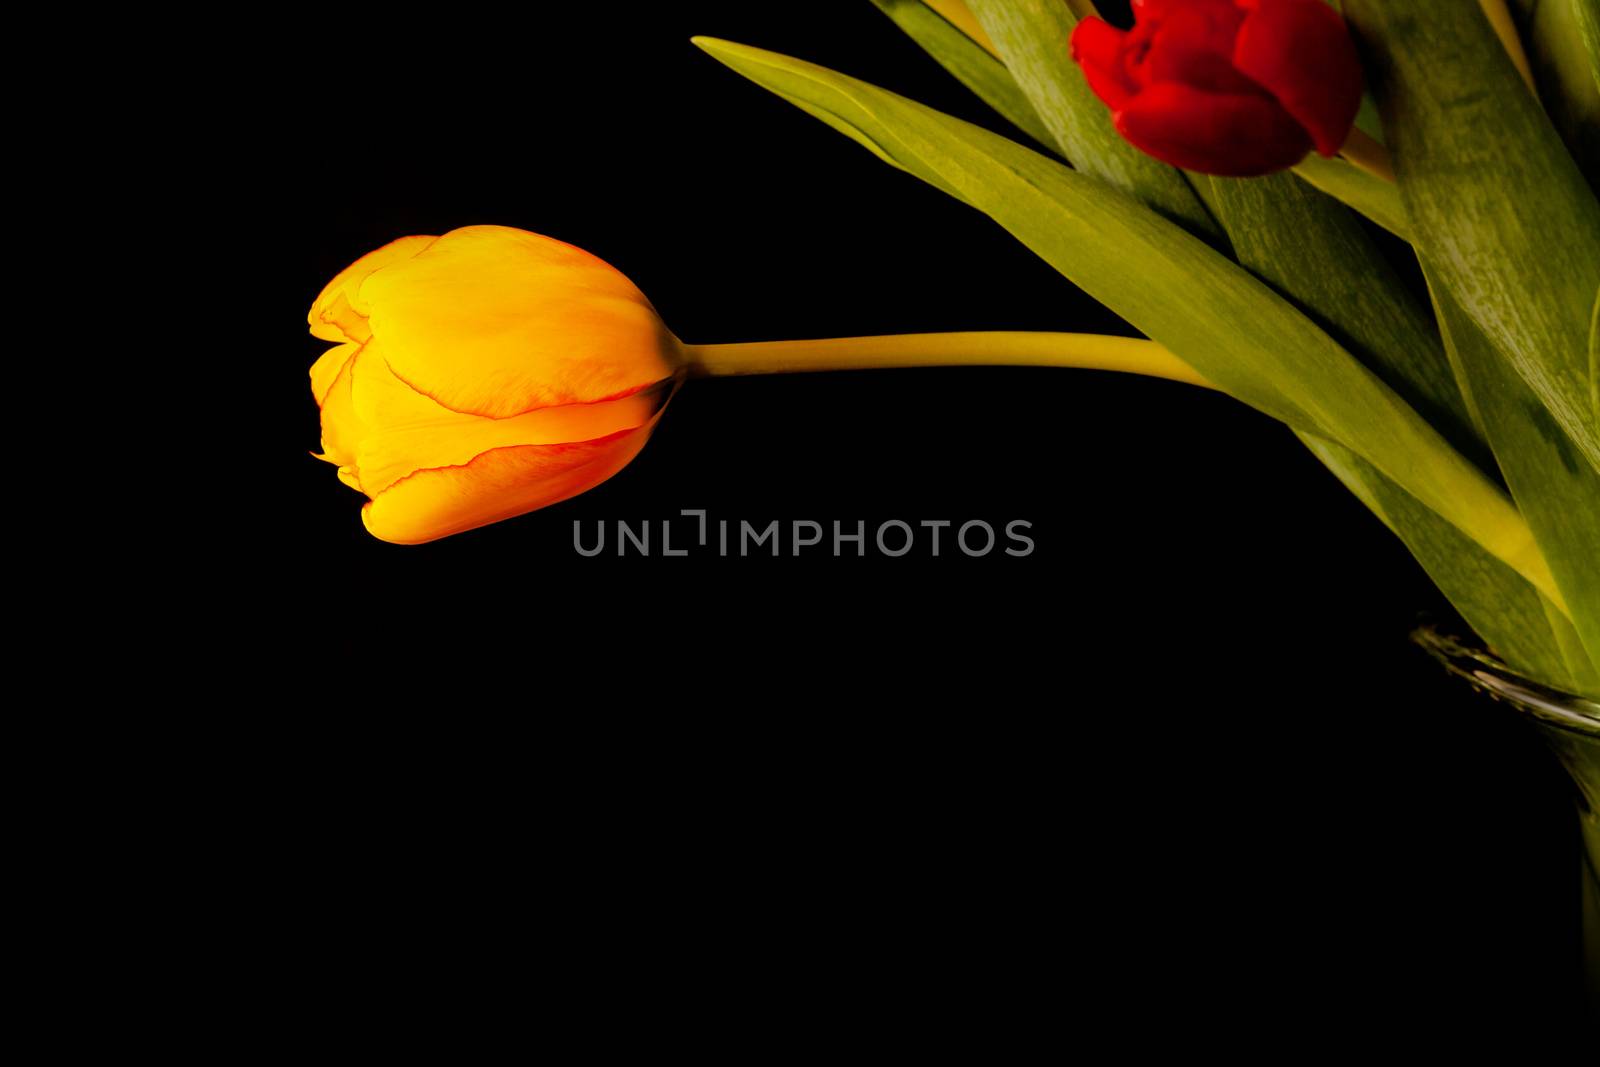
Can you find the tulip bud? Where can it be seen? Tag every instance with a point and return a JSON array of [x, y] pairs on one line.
[[1229, 87], [482, 375]]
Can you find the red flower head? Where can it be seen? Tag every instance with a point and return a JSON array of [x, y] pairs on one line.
[[1230, 87]]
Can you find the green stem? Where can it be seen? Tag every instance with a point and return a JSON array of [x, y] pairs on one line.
[[1362, 150], [1505, 28], [956, 14], [1504, 535], [1000, 349]]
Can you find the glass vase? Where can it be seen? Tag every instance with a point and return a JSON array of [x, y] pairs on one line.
[[1570, 725]]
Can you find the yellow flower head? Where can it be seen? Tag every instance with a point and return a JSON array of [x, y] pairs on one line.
[[481, 375]]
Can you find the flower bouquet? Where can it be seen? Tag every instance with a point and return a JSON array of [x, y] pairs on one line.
[[1374, 222], [1380, 229]]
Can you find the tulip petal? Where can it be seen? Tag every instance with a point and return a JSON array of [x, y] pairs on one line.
[[1145, 10], [1155, 12], [1108, 85], [1194, 45], [1301, 52], [407, 431], [1163, 8], [494, 321], [327, 368], [1097, 48], [1232, 135], [1096, 41], [339, 312], [496, 485], [342, 427]]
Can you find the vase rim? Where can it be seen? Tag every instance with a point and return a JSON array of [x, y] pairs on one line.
[[1567, 711]]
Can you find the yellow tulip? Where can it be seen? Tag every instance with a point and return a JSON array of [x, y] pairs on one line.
[[483, 374], [491, 371]]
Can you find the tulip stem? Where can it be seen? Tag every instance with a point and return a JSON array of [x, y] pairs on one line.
[[955, 12], [1368, 154], [999, 349], [1505, 28]]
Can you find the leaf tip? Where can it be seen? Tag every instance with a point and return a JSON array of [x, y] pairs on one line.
[[711, 45]]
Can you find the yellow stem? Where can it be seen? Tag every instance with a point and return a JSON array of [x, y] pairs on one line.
[[1499, 17], [956, 13], [1368, 154], [989, 349], [1506, 536]]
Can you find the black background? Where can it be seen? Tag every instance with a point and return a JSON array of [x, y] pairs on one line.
[[1178, 768]]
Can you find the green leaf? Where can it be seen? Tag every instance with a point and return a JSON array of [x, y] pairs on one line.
[[1594, 356], [968, 61], [859, 136], [1496, 204], [1587, 14], [1516, 622], [1555, 489], [1209, 311], [1032, 36], [1368, 120], [1315, 252], [1369, 194], [1562, 38]]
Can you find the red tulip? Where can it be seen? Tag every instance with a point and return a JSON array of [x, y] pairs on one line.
[[1229, 87]]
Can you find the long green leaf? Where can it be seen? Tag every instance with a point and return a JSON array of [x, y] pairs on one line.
[[968, 61], [1516, 622], [1032, 36], [1594, 356], [1173, 287], [1555, 489], [1554, 34], [1587, 13], [1313, 251], [1496, 204], [859, 136], [1369, 194]]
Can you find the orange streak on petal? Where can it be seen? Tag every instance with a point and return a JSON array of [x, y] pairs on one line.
[[494, 322], [496, 485], [342, 427], [326, 370], [325, 312], [620, 394], [402, 430]]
